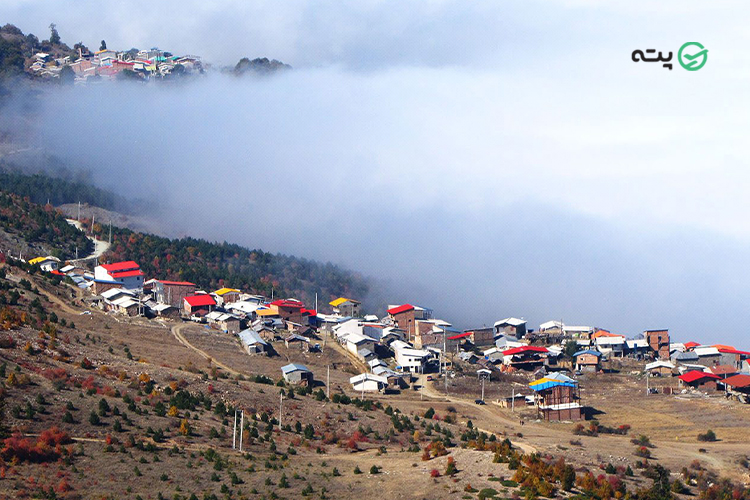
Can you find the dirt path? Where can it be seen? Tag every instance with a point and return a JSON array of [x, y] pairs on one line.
[[177, 332], [100, 246]]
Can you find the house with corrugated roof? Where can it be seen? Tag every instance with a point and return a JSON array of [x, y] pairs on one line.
[[298, 374], [252, 342]]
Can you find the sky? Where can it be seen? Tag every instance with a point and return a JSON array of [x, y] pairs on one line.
[[485, 159]]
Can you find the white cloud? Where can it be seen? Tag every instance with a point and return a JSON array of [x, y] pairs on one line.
[[513, 157]]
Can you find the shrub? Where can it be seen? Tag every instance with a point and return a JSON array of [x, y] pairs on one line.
[[434, 473], [643, 452], [451, 469], [708, 436], [487, 493], [374, 469]]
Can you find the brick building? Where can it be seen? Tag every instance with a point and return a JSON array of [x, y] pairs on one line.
[[171, 292], [658, 341]]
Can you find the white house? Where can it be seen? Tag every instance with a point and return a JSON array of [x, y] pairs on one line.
[[614, 345], [368, 382], [408, 358], [128, 273], [47, 264], [355, 342]]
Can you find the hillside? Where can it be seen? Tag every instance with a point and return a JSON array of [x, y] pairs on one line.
[[28, 227], [97, 405], [210, 265]]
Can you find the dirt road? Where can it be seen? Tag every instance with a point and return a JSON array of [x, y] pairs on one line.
[[177, 332]]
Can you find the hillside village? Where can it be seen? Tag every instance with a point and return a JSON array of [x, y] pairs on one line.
[[410, 346], [54, 61], [284, 397]]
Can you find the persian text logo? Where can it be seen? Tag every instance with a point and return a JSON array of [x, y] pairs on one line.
[[694, 58]]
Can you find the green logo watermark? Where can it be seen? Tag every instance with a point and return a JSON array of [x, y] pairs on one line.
[[692, 56], [692, 60]]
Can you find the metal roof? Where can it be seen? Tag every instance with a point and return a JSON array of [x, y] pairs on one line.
[[293, 367]]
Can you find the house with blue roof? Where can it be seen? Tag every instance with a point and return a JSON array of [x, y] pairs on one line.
[[588, 360]]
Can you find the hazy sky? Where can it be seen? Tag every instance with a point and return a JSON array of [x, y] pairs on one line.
[[487, 159]]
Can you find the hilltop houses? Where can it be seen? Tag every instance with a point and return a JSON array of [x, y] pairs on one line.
[[107, 64]]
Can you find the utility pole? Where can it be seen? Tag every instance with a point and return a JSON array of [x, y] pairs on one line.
[[281, 408], [79, 211], [242, 427], [234, 432], [482, 388], [445, 360], [328, 382], [513, 400], [316, 301]]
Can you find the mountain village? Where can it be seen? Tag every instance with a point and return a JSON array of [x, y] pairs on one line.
[[410, 346]]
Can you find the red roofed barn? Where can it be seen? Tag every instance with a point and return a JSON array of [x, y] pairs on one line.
[[127, 273], [198, 305], [699, 380]]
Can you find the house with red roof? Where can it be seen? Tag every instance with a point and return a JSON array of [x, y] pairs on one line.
[[738, 386], [402, 317], [698, 380], [288, 309], [198, 305], [728, 355], [127, 273], [527, 357]]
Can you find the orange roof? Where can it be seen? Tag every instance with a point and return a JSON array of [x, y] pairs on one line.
[[604, 333], [722, 346]]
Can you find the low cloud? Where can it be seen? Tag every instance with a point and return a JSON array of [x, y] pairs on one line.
[[531, 171]]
